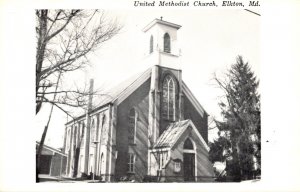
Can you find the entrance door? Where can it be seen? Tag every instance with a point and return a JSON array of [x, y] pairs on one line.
[[189, 166]]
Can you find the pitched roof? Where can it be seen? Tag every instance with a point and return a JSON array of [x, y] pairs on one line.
[[120, 92], [123, 89], [193, 99], [160, 21], [173, 132]]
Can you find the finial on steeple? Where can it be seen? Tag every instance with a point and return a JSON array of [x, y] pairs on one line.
[[161, 18]]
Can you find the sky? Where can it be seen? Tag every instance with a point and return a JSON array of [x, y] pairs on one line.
[[209, 40]]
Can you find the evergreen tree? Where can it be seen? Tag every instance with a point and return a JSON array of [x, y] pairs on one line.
[[241, 122]]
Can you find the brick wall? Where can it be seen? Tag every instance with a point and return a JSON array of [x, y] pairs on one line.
[[191, 113], [140, 101]]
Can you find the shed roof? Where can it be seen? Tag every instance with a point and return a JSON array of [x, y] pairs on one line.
[[53, 150]]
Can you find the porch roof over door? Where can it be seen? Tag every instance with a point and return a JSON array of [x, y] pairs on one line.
[[174, 131]]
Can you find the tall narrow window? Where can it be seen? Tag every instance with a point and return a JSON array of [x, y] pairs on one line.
[[132, 126], [68, 139], [168, 100], [131, 161], [93, 131], [81, 165], [104, 129], [82, 135], [91, 163], [78, 135], [167, 43], [151, 44], [74, 137], [102, 169]]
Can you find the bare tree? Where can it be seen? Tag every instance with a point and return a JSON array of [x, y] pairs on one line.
[[64, 39]]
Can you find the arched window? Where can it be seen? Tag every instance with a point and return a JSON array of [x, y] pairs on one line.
[[168, 100], [132, 126], [104, 128], [167, 43], [189, 160], [103, 119], [188, 144], [151, 44]]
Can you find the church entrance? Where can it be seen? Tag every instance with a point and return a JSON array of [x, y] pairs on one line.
[[189, 166], [188, 160]]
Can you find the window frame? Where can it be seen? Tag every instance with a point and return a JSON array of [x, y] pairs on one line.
[[167, 43], [151, 44], [132, 140], [169, 102], [131, 163], [68, 142]]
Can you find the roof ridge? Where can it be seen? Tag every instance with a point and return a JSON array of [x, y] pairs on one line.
[[143, 73]]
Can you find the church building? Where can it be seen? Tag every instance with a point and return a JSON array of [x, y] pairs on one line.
[[149, 127]]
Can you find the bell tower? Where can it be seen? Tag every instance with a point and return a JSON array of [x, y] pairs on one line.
[[165, 96], [162, 43]]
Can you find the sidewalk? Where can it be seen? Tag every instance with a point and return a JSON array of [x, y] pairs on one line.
[[47, 178]]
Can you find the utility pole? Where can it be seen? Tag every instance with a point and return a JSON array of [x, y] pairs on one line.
[[88, 122]]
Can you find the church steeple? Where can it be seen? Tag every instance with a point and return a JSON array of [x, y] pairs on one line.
[[162, 43], [165, 95]]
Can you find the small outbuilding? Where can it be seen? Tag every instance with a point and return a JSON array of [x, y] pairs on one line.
[[53, 161]]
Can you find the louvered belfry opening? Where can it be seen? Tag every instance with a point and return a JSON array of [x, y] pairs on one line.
[[167, 43], [151, 44]]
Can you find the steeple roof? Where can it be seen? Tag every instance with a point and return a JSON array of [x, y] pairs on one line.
[[160, 21]]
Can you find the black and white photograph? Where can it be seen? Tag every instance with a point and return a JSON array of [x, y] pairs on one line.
[[148, 124], [149, 95]]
